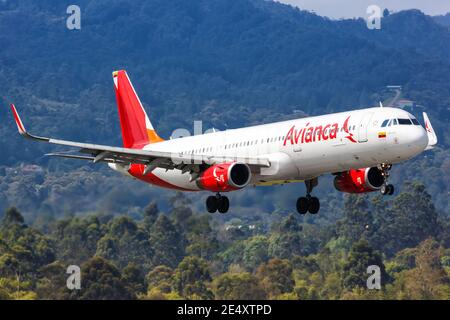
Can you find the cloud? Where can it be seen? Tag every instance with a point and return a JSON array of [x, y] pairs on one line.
[[357, 8]]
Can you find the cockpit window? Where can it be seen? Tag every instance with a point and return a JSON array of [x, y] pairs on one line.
[[404, 121], [385, 122], [415, 122]]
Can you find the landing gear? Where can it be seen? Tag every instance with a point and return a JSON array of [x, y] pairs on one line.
[[308, 203], [302, 205], [223, 204], [386, 189], [211, 204], [217, 203]]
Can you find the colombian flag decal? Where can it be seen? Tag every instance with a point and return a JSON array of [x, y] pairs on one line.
[[381, 134]]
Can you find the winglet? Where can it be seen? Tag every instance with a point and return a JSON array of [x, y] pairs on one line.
[[21, 127], [432, 137], [19, 123]]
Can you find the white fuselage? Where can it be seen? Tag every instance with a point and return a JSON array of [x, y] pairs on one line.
[[305, 148]]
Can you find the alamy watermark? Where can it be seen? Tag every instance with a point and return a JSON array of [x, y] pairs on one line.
[[374, 17], [374, 280], [74, 280], [73, 22]]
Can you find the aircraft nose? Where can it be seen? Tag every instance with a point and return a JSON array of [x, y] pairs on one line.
[[418, 138]]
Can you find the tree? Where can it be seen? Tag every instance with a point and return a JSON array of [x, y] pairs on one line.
[[134, 279], [23, 250], [190, 277], [232, 255], [161, 277], [12, 217], [167, 243], [429, 279], [201, 237], [150, 214], [411, 220], [51, 282], [286, 240], [255, 252], [357, 221], [77, 238], [332, 287], [125, 242], [360, 257], [14, 289], [276, 277], [101, 280], [238, 286]]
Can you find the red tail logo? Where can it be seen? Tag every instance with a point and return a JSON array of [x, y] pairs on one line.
[[137, 130]]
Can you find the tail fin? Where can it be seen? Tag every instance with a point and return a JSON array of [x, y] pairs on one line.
[[432, 137], [137, 130]]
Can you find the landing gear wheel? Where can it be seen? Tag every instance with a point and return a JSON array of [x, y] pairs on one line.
[[223, 204], [314, 205], [302, 205], [387, 189], [390, 189], [308, 203], [212, 204]]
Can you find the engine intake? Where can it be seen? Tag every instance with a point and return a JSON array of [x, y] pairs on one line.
[[359, 180], [225, 177]]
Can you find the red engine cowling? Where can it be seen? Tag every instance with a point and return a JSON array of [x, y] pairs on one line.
[[225, 177], [359, 180]]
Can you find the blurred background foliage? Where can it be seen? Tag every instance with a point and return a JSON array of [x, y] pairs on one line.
[[228, 64]]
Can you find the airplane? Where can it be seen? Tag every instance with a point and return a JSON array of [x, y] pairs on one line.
[[359, 147]]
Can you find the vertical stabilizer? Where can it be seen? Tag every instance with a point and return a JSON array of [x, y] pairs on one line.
[[137, 130]]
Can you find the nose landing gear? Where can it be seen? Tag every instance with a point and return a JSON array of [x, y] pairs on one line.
[[386, 189], [217, 203], [308, 204]]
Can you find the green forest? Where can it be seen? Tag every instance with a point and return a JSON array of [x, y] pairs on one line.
[[228, 64], [181, 254]]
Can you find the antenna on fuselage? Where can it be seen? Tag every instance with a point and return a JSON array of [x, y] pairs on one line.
[[381, 104]]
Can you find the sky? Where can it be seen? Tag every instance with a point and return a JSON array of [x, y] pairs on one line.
[[357, 8]]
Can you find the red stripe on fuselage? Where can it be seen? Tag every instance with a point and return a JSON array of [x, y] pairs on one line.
[[137, 171]]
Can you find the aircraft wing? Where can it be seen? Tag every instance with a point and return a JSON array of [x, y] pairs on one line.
[[152, 158]]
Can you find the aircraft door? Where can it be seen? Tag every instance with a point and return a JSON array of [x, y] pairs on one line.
[[363, 127]]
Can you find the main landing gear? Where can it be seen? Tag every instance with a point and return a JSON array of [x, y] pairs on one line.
[[217, 203], [386, 189], [308, 203]]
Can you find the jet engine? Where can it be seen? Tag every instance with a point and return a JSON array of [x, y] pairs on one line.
[[225, 177], [359, 180]]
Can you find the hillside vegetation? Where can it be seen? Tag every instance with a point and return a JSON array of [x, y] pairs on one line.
[[228, 64]]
